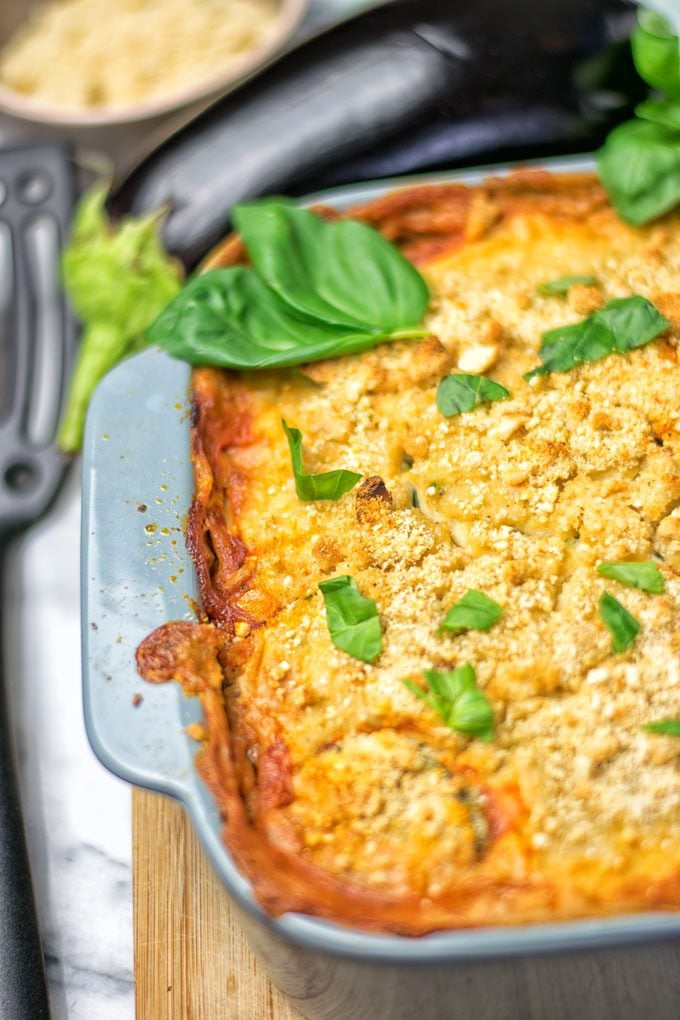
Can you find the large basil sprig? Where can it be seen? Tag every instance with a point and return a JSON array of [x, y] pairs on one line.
[[656, 51], [343, 272], [622, 325], [230, 318], [639, 164], [317, 290]]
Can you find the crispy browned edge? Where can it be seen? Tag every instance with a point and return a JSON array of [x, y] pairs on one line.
[[425, 221]]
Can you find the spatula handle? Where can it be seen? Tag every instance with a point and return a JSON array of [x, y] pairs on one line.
[[23, 987]]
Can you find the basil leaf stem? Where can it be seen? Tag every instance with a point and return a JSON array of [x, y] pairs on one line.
[[564, 283], [327, 485], [622, 325], [645, 575], [353, 620], [459, 393], [455, 696], [668, 727], [622, 626], [474, 611]]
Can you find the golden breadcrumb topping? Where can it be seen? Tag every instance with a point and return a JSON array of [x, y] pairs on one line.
[[343, 793], [520, 499]]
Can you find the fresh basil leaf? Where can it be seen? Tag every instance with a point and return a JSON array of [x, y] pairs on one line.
[[343, 273], [459, 393], [639, 165], [118, 278], [660, 111], [564, 283], [474, 611], [622, 325], [669, 727], [455, 696], [230, 318], [327, 485], [623, 627], [645, 576], [656, 52], [353, 621]]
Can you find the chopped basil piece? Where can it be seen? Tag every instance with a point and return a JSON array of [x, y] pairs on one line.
[[563, 284], [623, 627], [645, 576], [455, 696], [474, 611], [622, 325], [459, 393], [353, 621], [668, 727], [327, 485]]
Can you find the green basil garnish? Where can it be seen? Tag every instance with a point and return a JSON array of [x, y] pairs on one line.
[[327, 485], [353, 621], [474, 611], [318, 290], [669, 727], [455, 696], [660, 111], [645, 576], [230, 318], [656, 51], [564, 283], [459, 393], [623, 627], [639, 163], [343, 273], [622, 325]]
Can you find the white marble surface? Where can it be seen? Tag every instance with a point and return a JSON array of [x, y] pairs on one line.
[[77, 814]]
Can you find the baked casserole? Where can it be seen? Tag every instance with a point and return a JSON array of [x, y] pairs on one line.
[[345, 794]]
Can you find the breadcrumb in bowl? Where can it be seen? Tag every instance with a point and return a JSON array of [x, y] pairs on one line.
[[85, 63]]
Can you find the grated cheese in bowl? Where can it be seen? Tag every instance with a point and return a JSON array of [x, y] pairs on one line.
[[91, 54]]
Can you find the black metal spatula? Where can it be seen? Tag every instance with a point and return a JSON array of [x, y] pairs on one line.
[[37, 342]]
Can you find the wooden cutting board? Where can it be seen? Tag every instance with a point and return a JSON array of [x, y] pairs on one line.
[[191, 961]]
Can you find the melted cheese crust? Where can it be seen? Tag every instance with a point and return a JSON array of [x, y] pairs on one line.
[[344, 794]]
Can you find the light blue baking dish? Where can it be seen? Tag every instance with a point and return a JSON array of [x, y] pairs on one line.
[[136, 574]]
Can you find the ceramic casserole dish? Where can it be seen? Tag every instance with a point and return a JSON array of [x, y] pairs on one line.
[[137, 575]]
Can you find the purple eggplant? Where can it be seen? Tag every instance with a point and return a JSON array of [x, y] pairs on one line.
[[409, 85]]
